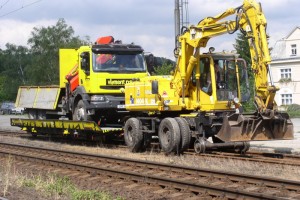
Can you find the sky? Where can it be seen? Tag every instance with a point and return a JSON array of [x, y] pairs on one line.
[[149, 23]]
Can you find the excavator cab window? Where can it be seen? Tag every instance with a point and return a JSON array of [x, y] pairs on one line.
[[205, 75], [244, 80], [225, 71], [227, 87]]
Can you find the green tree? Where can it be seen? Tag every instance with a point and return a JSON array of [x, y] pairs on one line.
[[13, 60], [37, 65], [164, 69], [45, 43], [242, 47]]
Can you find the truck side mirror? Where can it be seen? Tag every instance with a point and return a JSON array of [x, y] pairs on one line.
[[85, 64], [154, 86]]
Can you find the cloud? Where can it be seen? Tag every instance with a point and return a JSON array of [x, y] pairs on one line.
[[18, 32], [144, 22]]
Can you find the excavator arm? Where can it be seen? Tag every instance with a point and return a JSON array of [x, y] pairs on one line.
[[250, 20]]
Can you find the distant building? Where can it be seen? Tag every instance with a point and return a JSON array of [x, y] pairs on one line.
[[285, 68]]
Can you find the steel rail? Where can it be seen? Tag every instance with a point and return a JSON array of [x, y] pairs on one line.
[[262, 157], [195, 188], [188, 171]]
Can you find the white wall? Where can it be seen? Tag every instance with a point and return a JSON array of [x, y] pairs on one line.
[[292, 87], [281, 59]]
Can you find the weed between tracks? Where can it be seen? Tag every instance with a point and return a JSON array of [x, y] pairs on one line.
[[25, 185]]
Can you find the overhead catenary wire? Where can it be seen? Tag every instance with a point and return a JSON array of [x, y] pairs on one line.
[[4, 4], [23, 6]]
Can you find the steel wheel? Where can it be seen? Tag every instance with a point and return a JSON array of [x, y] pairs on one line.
[[133, 135], [169, 135], [199, 146]]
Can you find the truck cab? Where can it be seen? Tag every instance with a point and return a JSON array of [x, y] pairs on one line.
[[103, 72]]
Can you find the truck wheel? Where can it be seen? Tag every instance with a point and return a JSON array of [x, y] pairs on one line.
[[80, 113], [169, 135], [132, 134], [184, 133], [41, 114], [32, 114]]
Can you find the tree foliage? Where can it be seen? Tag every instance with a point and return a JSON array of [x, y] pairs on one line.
[[37, 64], [165, 69], [13, 61], [242, 47], [159, 65], [45, 43]]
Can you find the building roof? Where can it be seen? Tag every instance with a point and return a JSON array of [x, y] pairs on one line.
[[280, 48], [289, 35]]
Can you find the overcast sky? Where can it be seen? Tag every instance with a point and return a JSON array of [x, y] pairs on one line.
[[149, 23]]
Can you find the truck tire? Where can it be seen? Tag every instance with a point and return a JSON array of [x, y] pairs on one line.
[[185, 133], [32, 114], [80, 113], [41, 114], [169, 135], [132, 135]]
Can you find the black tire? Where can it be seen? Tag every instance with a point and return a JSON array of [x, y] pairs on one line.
[[185, 133], [132, 135], [41, 114], [32, 114], [80, 113], [169, 135]]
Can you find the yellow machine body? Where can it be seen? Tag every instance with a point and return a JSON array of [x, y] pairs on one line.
[[183, 92]]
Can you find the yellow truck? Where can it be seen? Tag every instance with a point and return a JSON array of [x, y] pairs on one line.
[[91, 87]]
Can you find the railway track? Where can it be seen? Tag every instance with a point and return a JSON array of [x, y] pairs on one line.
[[251, 156], [14, 133], [157, 179], [261, 157]]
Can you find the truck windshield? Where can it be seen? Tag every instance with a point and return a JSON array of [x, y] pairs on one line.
[[118, 62]]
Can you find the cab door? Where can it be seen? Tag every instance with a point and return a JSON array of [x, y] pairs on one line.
[[207, 83]]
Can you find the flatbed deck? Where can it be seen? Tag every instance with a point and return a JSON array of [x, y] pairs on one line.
[[62, 125]]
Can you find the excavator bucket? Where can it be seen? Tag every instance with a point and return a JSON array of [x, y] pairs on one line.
[[254, 127]]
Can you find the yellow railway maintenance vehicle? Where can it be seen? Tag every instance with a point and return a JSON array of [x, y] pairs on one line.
[[91, 88], [202, 99]]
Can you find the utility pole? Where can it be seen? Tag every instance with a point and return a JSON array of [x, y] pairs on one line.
[[177, 21], [181, 17]]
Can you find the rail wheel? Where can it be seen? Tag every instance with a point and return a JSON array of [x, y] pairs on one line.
[[169, 135], [199, 146], [80, 113], [133, 135], [184, 133]]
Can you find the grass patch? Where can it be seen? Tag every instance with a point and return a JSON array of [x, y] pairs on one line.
[[293, 110], [62, 187], [45, 186]]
